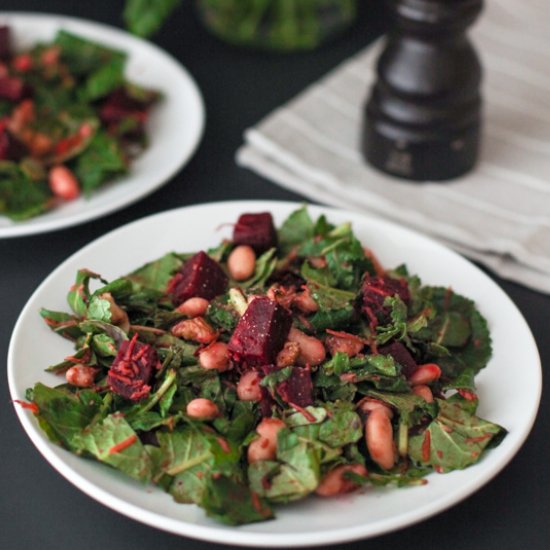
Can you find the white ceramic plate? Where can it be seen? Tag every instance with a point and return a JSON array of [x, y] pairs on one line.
[[174, 128], [507, 399]]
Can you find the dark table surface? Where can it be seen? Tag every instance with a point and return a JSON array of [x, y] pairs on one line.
[[38, 508]]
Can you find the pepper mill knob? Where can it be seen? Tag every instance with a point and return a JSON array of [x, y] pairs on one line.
[[423, 117]]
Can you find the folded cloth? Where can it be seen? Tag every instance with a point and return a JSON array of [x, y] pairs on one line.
[[498, 214]]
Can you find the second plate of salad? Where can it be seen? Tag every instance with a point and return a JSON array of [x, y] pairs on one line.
[[338, 375], [91, 119]]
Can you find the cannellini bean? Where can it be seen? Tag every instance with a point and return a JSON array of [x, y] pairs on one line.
[[202, 409], [261, 449], [335, 482], [424, 391], [312, 350], [248, 387], [305, 302], [241, 262], [215, 356], [119, 317], [270, 427], [344, 342], [196, 329], [288, 355], [193, 307], [379, 438], [369, 404], [424, 374], [63, 183], [81, 376], [265, 446]]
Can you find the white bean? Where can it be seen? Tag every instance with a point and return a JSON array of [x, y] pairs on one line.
[[215, 357], [335, 482], [312, 350], [425, 374], [193, 307], [424, 391], [241, 262], [119, 317], [248, 387], [379, 438], [81, 376], [261, 449], [202, 409], [196, 329], [270, 427]]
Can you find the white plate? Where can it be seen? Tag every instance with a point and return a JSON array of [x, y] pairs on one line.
[[506, 398], [174, 128]]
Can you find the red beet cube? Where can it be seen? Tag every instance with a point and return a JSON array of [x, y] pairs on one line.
[[119, 106], [256, 230], [5, 43], [132, 369], [10, 147], [297, 389], [13, 88], [200, 276], [375, 289], [260, 333], [400, 355]]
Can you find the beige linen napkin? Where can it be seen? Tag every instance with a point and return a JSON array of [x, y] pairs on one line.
[[498, 214]]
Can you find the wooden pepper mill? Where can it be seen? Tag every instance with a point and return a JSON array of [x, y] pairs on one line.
[[422, 120]]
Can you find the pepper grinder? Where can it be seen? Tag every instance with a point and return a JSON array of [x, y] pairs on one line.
[[423, 116]]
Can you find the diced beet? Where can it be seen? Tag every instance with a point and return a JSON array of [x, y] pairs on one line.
[[256, 230], [13, 88], [297, 389], [200, 276], [10, 147], [119, 106], [288, 279], [132, 369], [375, 289], [260, 333], [5, 43], [400, 355]]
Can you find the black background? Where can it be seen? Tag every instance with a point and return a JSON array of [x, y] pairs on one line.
[[39, 510]]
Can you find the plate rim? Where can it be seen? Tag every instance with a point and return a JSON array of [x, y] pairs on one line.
[[233, 535], [23, 229]]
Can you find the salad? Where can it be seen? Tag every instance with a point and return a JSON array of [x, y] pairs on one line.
[[69, 121], [282, 363]]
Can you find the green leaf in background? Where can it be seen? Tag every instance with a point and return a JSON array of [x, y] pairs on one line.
[[85, 56], [62, 323], [183, 449], [101, 161], [318, 414], [335, 319], [221, 314], [20, 196], [114, 442], [104, 80], [295, 475], [79, 293], [233, 503], [455, 439], [297, 228], [99, 309], [459, 327], [343, 426], [155, 275], [63, 413], [145, 17], [265, 265]]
